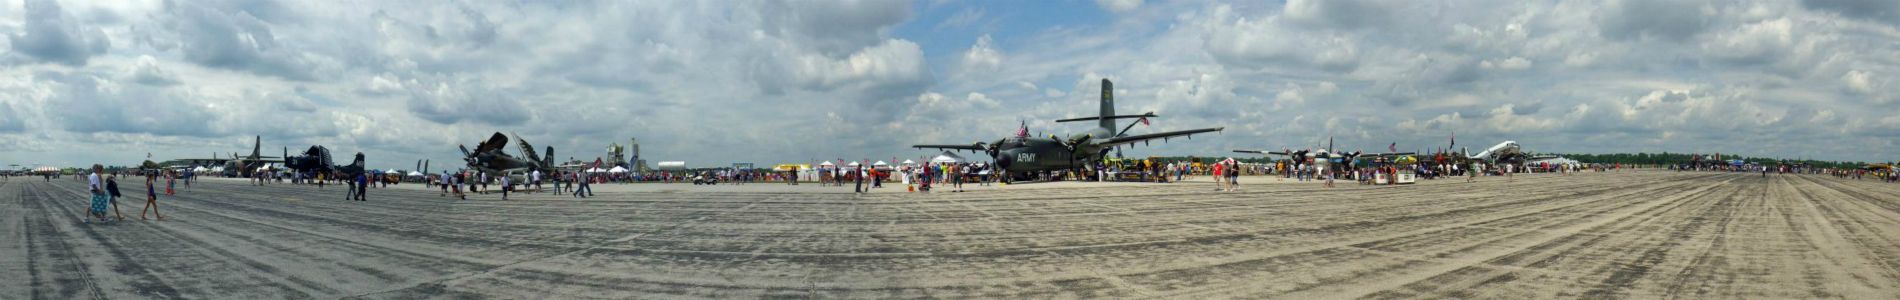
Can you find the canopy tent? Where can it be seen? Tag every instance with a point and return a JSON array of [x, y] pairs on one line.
[[593, 170], [946, 157], [910, 162], [617, 169], [881, 163], [414, 173], [671, 166], [827, 164], [854, 164]]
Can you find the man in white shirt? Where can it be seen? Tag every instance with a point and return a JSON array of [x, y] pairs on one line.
[[506, 185], [535, 177], [98, 189]]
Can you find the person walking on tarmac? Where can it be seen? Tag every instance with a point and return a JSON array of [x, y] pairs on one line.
[[351, 194], [171, 181], [151, 197], [112, 190], [506, 186], [362, 186], [1220, 173], [99, 197], [860, 175], [1233, 175], [586, 188], [1472, 173]]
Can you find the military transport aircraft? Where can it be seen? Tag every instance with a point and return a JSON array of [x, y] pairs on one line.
[[489, 158], [235, 165], [1022, 153]]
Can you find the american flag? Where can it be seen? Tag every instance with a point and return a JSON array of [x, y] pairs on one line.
[[1144, 120], [1023, 130]]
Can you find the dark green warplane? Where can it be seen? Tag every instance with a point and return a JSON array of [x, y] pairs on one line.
[[1022, 153]]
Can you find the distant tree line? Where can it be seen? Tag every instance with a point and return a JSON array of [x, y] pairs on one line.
[[1667, 158], [1664, 158]]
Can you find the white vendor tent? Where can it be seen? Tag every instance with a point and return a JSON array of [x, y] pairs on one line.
[[947, 157]]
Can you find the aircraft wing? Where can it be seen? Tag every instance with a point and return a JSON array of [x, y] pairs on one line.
[[1266, 152], [1164, 135], [495, 142], [1387, 154], [974, 148]]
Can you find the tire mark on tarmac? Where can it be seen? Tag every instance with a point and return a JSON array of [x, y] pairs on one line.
[[1426, 278], [439, 285], [212, 250], [145, 283]]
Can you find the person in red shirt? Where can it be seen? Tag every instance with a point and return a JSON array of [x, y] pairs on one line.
[[1220, 184]]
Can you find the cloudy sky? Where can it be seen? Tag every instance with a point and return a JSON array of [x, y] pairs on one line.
[[714, 82]]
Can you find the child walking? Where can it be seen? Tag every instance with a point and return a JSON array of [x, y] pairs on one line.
[[151, 198]]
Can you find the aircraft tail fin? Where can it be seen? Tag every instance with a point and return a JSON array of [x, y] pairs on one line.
[[1108, 106], [548, 161], [257, 146]]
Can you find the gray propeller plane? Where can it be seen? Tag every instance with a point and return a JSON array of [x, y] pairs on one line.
[[235, 165], [1324, 157], [488, 157], [1022, 153], [317, 159]]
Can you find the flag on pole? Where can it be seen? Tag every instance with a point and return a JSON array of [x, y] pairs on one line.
[[1454, 139], [1393, 148], [1144, 120], [1023, 130]]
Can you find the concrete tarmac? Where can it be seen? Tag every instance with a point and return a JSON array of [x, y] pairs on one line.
[[1648, 234]]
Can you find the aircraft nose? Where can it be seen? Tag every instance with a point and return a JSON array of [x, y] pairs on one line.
[[1004, 161]]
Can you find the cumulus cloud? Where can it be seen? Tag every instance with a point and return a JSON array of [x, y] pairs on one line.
[[1509, 64], [100, 104], [835, 27], [891, 65], [1881, 11], [447, 102], [1859, 82], [1757, 43], [406, 79], [1248, 42], [146, 71], [236, 40], [1350, 14], [53, 35], [1672, 20], [1119, 5], [981, 56], [10, 119]]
